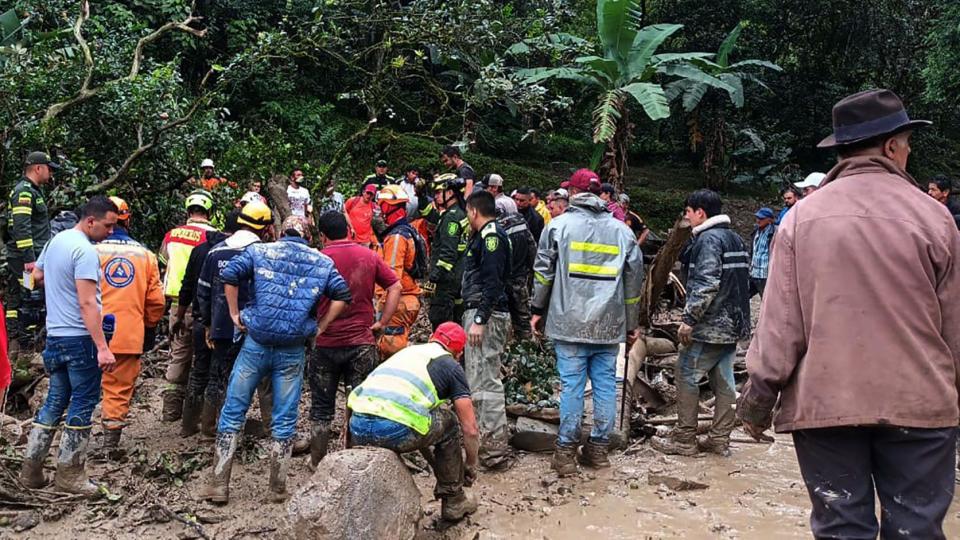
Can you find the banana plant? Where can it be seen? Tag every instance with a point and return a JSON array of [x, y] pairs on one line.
[[625, 72], [11, 27]]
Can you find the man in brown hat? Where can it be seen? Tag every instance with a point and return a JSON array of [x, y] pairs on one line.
[[858, 339]]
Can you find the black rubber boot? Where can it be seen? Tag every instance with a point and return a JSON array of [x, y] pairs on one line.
[[208, 420], [319, 440], [190, 420]]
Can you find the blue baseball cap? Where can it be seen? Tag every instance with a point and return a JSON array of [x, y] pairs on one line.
[[764, 213]]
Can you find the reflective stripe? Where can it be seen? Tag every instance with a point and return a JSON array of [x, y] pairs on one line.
[[461, 247], [22, 210], [591, 247], [634, 300], [541, 278], [594, 269], [445, 265], [731, 254], [393, 256], [458, 301], [516, 229], [736, 265], [410, 378], [202, 283], [12, 314], [25, 243]]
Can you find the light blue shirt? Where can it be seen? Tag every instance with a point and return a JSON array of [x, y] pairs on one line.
[[69, 256]]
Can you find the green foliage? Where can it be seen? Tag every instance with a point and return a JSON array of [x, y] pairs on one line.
[[531, 374]]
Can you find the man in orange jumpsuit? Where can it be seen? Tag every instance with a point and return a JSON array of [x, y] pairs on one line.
[[131, 291], [399, 251]]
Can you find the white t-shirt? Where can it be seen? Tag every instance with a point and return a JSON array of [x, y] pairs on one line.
[[299, 201]]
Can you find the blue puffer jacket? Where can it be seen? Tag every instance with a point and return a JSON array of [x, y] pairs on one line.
[[289, 278]]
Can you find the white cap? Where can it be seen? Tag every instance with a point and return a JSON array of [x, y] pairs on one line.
[[562, 193], [812, 180], [206, 163]]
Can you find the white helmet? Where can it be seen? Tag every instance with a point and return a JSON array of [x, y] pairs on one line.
[[206, 163]]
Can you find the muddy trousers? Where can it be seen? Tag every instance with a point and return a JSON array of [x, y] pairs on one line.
[[910, 470], [396, 333], [482, 365], [211, 370], [443, 436], [446, 304], [71, 364], [328, 366], [715, 362], [118, 386], [518, 296], [181, 352]]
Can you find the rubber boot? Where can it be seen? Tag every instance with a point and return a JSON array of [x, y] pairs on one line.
[[457, 507], [594, 454], [208, 420], [111, 439], [319, 440], [714, 446], [265, 400], [564, 460], [279, 464], [190, 421], [71, 474], [38, 445], [218, 489], [172, 402], [683, 439]]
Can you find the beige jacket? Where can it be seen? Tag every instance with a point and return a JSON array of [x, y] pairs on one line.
[[860, 323]]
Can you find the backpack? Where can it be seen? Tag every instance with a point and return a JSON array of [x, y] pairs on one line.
[[421, 264]]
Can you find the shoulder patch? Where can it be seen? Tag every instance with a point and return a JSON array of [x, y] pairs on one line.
[[492, 242], [453, 228]]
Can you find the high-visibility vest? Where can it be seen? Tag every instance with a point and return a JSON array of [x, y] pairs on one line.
[[400, 389], [177, 245]]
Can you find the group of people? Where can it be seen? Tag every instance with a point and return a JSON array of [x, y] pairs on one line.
[[855, 352]]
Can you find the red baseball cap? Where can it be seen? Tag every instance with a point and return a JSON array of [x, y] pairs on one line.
[[581, 179], [451, 336], [371, 188]]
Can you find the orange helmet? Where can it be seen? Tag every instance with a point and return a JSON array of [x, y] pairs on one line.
[[124, 208], [393, 195]]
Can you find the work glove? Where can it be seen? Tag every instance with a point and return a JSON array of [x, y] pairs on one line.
[[429, 288], [149, 339], [177, 327]]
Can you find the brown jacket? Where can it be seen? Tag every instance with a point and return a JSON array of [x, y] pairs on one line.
[[860, 323]]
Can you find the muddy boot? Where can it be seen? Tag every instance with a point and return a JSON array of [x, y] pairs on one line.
[[190, 421], [279, 463], [111, 439], [71, 474], [675, 445], [208, 420], [714, 446], [594, 454], [38, 445], [457, 507], [172, 402], [218, 489], [564, 460], [319, 439]]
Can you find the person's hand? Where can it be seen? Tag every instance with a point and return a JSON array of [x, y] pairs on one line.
[[321, 328], [757, 432], [106, 360], [475, 335], [237, 323], [377, 327], [206, 337], [536, 325], [469, 476], [428, 288], [685, 334], [632, 337], [28, 267], [177, 327]]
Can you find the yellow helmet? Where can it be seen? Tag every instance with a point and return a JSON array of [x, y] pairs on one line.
[[123, 207], [199, 198], [393, 195], [255, 215]]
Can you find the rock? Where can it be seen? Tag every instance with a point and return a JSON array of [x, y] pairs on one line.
[[537, 426], [675, 484], [658, 346], [356, 494]]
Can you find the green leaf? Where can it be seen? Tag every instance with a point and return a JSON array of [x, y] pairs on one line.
[[693, 73], [535, 75], [605, 117], [217, 67], [723, 53], [645, 44], [693, 95], [736, 97], [679, 57], [617, 24], [601, 65], [760, 63], [651, 97], [10, 26]]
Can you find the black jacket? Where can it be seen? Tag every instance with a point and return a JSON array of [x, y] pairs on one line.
[[717, 268], [188, 288], [486, 271], [534, 221], [523, 248]]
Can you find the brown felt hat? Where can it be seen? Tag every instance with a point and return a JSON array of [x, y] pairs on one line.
[[866, 115]]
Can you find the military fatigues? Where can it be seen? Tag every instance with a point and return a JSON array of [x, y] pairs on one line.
[[446, 266], [485, 275], [28, 230]]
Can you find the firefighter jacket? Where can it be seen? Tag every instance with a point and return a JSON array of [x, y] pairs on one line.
[[28, 226], [399, 251], [130, 287], [175, 252], [588, 275], [449, 247], [486, 271]]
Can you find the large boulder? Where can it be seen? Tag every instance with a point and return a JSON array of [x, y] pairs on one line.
[[359, 493]]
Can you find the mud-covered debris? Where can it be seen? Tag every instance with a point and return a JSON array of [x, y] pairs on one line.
[[674, 483], [24, 521]]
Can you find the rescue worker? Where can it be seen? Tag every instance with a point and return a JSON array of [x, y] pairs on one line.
[[131, 291], [448, 250], [486, 273], [287, 280], [405, 396], [28, 230], [209, 179], [175, 253], [399, 251], [379, 178], [523, 251]]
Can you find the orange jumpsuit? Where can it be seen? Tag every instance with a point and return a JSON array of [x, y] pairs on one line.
[[131, 290], [399, 252]]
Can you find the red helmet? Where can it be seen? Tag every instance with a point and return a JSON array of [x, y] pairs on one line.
[[451, 336]]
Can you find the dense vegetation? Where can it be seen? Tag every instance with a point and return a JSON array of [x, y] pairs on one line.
[[132, 94]]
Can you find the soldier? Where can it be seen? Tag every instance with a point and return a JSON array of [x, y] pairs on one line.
[[28, 230], [448, 249]]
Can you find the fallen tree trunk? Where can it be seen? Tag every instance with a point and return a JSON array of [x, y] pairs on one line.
[[279, 204], [659, 271]]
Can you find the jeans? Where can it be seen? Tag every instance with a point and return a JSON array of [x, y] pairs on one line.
[[443, 436], [71, 363], [909, 470], [575, 362], [714, 361], [284, 366], [330, 365]]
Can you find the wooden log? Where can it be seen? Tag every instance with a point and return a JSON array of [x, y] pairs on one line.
[[659, 272]]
